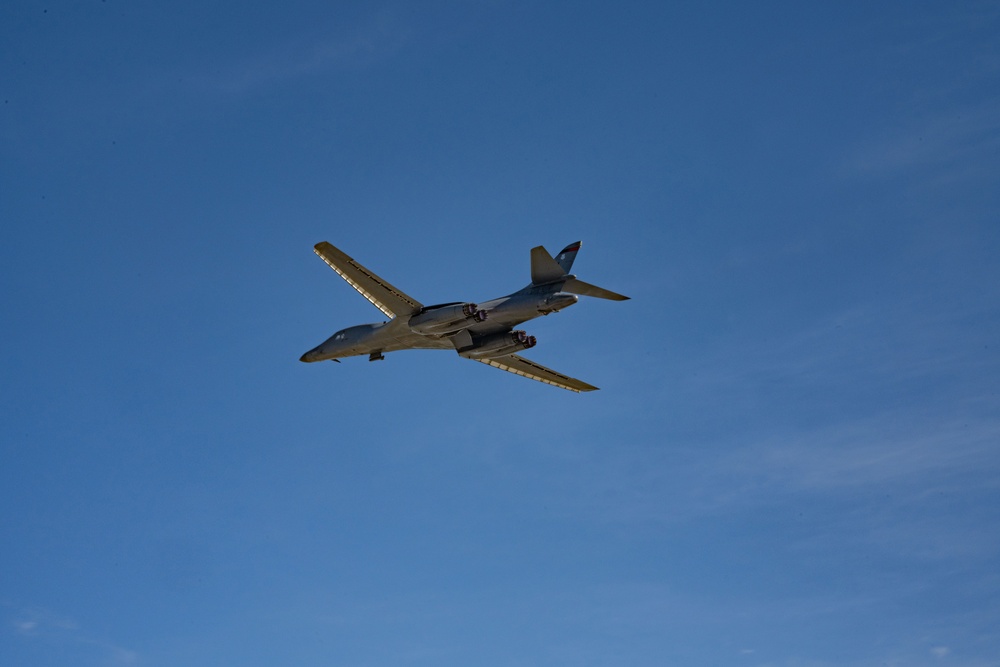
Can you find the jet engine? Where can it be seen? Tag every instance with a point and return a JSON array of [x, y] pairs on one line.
[[498, 345], [447, 318]]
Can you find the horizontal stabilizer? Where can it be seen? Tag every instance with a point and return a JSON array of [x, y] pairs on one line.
[[544, 269], [574, 286]]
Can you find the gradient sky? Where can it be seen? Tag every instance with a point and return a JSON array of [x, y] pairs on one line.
[[794, 458]]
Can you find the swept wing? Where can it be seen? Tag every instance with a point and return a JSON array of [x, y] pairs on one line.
[[381, 293], [529, 369]]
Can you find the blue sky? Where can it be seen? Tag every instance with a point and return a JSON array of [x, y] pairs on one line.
[[795, 454]]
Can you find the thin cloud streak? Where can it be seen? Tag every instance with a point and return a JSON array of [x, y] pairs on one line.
[[383, 36], [927, 437], [34, 624], [874, 455], [949, 139]]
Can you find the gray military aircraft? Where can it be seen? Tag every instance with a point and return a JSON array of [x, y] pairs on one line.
[[482, 332]]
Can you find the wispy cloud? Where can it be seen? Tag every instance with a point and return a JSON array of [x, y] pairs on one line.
[[35, 624], [916, 464], [882, 451], [951, 140], [946, 128], [380, 37], [881, 418]]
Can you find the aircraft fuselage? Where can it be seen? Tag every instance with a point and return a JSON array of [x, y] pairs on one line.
[[396, 334], [480, 332]]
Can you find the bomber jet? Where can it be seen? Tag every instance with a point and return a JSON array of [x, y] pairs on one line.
[[483, 332]]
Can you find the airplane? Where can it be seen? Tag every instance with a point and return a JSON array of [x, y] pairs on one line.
[[482, 332]]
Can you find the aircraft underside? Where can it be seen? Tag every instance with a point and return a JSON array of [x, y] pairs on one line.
[[481, 332]]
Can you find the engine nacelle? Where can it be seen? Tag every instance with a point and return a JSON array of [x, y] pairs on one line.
[[556, 302], [500, 344], [446, 319]]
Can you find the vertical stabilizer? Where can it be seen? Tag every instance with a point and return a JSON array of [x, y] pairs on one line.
[[544, 269], [567, 255]]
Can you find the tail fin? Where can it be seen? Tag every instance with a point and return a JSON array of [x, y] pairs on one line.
[[544, 269], [567, 255]]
